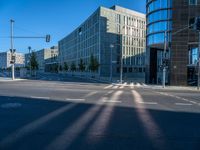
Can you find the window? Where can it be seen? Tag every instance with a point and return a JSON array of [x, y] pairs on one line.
[[193, 56], [192, 2]]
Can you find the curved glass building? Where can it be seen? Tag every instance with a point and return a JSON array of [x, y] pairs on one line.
[[165, 17]]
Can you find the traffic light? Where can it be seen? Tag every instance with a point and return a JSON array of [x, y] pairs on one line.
[[194, 23], [165, 62], [48, 38], [197, 26]]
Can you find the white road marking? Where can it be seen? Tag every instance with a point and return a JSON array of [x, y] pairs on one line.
[[132, 85], [111, 101], [115, 87], [148, 103], [90, 94], [109, 86], [180, 98], [36, 97], [10, 105], [121, 87], [183, 104], [71, 99]]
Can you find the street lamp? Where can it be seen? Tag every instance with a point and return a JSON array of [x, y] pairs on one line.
[[111, 52], [164, 59], [12, 50], [121, 56]]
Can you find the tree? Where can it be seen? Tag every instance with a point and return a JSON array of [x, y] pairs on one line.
[[73, 67], [60, 68], [33, 61], [94, 64], [81, 65], [66, 68], [56, 68]]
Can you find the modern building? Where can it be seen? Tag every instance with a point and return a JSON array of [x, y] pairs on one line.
[[46, 58], [5, 59], [116, 29], [171, 17]]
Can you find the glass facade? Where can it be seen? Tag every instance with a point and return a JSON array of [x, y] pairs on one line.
[[159, 15], [193, 56]]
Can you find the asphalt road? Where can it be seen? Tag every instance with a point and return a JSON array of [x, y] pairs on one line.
[[54, 115]]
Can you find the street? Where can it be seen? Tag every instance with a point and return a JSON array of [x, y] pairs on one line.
[[76, 115]]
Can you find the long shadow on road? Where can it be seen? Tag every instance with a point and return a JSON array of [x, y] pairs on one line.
[[47, 124]]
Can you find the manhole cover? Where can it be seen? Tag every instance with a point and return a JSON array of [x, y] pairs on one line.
[[11, 105]]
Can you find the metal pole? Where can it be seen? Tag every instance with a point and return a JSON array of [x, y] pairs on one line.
[[121, 59], [110, 63], [30, 59], [198, 81], [12, 50], [164, 57]]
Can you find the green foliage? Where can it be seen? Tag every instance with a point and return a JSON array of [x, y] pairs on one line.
[[81, 65], [60, 68], [66, 68], [73, 67], [94, 64], [33, 61]]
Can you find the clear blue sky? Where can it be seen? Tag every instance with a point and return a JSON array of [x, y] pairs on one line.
[[55, 17]]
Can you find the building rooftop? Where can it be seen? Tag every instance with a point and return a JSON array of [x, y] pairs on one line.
[[127, 11]]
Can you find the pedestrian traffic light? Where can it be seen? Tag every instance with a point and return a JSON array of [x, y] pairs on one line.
[[48, 37], [197, 26]]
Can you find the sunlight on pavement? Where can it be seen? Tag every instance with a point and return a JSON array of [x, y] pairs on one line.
[[31, 127], [70, 134], [102, 122], [152, 129]]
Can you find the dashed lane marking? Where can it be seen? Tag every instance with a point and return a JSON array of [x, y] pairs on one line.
[[148, 103], [183, 104], [111, 101], [71, 99], [36, 97]]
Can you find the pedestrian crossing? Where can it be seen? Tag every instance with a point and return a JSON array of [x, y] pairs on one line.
[[124, 85]]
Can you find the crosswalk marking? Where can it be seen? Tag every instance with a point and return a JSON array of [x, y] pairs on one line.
[[122, 86]]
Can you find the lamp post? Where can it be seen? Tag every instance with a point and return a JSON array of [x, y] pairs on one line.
[[12, 50], [111, 53], [164, 59], [121, 55], [29, 48], [198, 82]]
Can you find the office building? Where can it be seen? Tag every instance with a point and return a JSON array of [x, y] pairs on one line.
[[171, 17], [46, 58], [5, 60], [122, 28]]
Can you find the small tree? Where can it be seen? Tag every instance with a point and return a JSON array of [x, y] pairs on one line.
[[94, 64], [33, 62], [66, 68], [60, 68], [73, 67], [56, 67], [81, 65]]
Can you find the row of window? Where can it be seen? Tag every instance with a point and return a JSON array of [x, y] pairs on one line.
[[131, 21], [159, 15], [159, 26], [159, 4], [134, 42], [193, 56]]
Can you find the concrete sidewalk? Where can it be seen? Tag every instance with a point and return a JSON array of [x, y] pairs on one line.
[[5, 79], [159, 87]]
